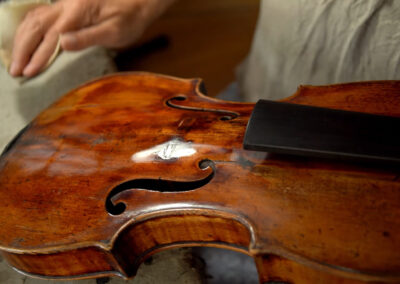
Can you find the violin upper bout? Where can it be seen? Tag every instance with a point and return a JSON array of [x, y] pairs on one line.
[[376, 97]]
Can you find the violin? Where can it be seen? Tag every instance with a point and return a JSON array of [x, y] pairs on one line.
[[133, 164]]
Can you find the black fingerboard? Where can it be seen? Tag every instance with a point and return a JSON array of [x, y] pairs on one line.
[[294, 129]]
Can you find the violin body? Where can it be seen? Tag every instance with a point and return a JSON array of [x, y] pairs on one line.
[[133, 164]]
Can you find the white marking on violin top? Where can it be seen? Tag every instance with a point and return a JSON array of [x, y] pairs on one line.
[[173, 149]]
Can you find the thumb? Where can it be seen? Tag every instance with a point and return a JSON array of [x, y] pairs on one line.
[[83, 38]]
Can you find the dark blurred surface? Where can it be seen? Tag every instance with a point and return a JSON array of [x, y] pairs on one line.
[[196, 38], [226, 266]]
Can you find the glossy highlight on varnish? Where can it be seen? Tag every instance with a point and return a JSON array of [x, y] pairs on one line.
[[131, 164]]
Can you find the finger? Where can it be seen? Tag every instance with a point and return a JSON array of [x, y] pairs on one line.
[[29, 35], [42, 55], [94, 35], [26, 41]]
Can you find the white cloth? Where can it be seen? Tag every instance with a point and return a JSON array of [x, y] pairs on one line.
[[20, 103], [12, 12], [321, 42]]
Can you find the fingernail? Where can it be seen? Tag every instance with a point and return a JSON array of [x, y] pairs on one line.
[[14, 68], [68, 40], [29, 70]]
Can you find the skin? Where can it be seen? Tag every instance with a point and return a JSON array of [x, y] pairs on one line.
[[80, 24]]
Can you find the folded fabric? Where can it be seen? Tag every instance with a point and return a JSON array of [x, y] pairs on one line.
[[20, 103]]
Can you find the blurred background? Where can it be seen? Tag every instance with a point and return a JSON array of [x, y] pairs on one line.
[[196, 38]]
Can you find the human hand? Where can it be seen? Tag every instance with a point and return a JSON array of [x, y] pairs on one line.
[[79, 24]]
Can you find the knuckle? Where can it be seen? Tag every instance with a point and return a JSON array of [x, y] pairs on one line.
[[35, 13], [75, 8], [114, 35], [54, 31], [33, 22], [36, 26], [115, 30], [31, 14]]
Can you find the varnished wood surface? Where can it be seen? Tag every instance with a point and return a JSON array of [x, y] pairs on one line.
[[293, 215]]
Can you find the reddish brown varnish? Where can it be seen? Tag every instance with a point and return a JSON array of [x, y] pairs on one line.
[[303, 220]]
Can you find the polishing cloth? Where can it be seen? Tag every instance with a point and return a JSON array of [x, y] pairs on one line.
[[12, 13]]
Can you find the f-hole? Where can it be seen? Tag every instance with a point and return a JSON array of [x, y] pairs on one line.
[[225, 114], [159, 185]]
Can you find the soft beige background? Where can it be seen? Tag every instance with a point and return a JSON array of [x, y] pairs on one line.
[[21, 102], [321, 42]]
